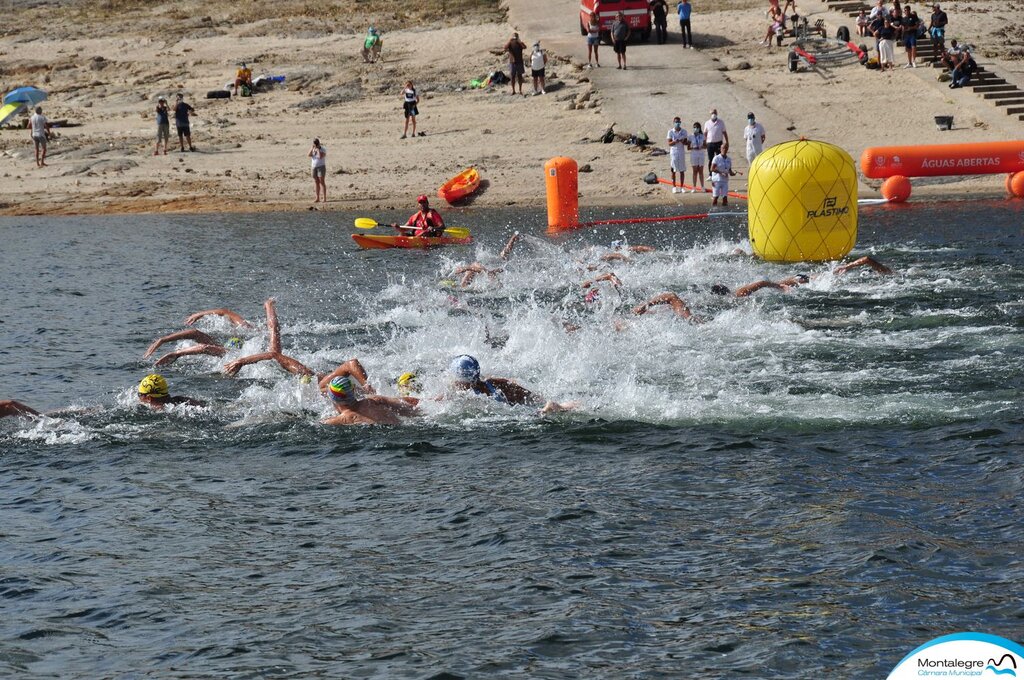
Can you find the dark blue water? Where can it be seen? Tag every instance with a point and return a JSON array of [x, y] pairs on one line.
[[808, 484]]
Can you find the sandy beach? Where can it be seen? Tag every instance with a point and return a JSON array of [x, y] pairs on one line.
[[104, 64]]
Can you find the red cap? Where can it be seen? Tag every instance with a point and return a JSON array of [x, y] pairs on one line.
[[422, 199]]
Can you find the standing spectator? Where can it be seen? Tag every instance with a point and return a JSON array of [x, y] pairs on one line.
[[721, 171], [39, 129], [181, 113], [677, 141], [620, 34], [318, 153], [517, 68], [875, 27], [593, 41], [937, 29], [163, 125], [697, 149], [911, 25], [660, 11], [754, 134], [964, 70], [684, 9], [714, 135], [862, 23], [410, 103], [886, 47], [372, 44], [538, 60]]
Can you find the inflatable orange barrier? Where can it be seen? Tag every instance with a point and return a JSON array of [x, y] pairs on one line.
[[933, 160], [561, 182]]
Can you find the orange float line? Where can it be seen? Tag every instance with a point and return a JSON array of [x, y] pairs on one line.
[[937, 160], [734, 194]]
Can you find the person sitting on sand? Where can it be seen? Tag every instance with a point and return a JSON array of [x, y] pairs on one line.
[[424, 222], [372, 45], [243, 78], [372, 410], [206, 343], [466, 371], [154, 393]]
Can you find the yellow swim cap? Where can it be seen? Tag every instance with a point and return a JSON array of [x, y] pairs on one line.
[[153, 385], [408, 384]]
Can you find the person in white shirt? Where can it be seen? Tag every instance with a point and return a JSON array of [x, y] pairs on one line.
[[714, 136], [697, 158], [721, 171], [678, 140], [754, 134], [538, 59], [40, 130], [318, 152]]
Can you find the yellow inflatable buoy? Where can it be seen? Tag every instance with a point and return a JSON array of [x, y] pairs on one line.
[[802, 202]]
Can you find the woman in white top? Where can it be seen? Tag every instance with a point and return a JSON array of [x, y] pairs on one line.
[[538, 59], [593, 41], [410, 100], [318, 153], [697, 151]]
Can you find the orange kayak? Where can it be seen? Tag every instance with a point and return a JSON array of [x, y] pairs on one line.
[[374, 241], [460, 186]]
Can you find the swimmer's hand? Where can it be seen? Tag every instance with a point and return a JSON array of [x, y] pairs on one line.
[[554, 407], [232, 368]]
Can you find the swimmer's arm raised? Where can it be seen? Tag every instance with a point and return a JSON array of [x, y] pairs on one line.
[[507, 250], [187, 334], [353, 368], [226, 313], [171, 357], [232, 368], [273, 327]]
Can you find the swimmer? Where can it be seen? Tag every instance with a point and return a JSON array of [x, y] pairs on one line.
[[469, 272], [408, 387], [677, 304], [206, 344], [787, 284], [154, 393], [466, 371], [372, 410], [10, 407], [619, 256]]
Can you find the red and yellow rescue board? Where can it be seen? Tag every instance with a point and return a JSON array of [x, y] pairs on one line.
[[373, 241], [933, 160]]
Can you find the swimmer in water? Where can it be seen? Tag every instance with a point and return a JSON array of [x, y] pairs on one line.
[[206, 344], [677, 304], [10, 407], [154, 393], [466, 372], [469, 272], [371, 410], [787, 284]]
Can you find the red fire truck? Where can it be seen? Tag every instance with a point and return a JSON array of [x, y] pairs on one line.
[[638, 16]]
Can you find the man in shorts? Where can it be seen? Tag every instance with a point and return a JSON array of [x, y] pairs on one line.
[[516, 67], [181, 114], [620, 34], [678, 140], [937, 29], [163, 125], [39, 128]]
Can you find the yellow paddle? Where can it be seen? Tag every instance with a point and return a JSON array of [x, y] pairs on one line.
[[367, 223]]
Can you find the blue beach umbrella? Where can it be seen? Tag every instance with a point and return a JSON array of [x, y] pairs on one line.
[[29, 96]]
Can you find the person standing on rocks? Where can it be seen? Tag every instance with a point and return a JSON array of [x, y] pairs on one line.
[[318, 152], [620, 34], [163, 125], [39, 128], [514, 48], [754, 134], [714, 135], [181, 113]]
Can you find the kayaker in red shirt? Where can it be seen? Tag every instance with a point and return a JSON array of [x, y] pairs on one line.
[[426, 221]]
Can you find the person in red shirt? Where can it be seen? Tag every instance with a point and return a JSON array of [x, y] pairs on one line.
[[425, 222]]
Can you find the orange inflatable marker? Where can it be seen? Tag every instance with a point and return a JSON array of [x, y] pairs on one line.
[[561, 183], [934, 160]]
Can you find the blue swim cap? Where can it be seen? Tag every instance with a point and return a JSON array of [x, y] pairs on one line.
[[341, 390], [465, 368]]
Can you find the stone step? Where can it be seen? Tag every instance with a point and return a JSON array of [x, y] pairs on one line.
[[995, 88], [1016, 101], [1017, 110], [1009, 94], [985, 82]]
